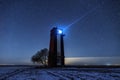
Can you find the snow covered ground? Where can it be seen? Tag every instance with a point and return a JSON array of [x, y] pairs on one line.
[[30, 73]]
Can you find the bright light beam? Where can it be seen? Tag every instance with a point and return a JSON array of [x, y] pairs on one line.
[[59, 31], [80, 18]]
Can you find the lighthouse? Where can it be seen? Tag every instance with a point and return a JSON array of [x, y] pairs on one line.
[[56, 48]]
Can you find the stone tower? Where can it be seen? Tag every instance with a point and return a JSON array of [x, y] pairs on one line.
[[56, 48]]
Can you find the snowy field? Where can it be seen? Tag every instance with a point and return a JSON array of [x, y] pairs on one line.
[[30, 73]]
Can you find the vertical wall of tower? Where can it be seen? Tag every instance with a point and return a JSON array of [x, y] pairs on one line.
[[62, 51], [52, 58]]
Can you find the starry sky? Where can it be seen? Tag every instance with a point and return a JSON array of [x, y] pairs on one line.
[[92, 28]]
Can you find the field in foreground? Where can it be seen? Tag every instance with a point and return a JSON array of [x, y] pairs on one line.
[[31, 73]]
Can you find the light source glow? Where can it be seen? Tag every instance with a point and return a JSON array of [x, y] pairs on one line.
[[59, 31]]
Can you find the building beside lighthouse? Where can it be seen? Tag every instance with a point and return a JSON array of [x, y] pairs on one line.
[[56, 48]]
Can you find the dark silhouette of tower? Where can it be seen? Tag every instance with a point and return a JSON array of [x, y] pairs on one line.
[[56, 48]]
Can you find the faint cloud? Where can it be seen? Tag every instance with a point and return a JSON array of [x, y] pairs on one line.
[[92, 61]]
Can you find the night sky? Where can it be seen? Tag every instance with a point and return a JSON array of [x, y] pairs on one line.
[[92, 29]]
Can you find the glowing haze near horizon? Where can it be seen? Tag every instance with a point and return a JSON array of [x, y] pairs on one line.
[[92, 38]]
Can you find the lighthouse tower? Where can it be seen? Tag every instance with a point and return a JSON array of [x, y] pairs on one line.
[[56, 48]]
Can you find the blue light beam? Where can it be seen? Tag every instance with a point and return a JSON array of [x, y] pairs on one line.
[[81, 17]]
